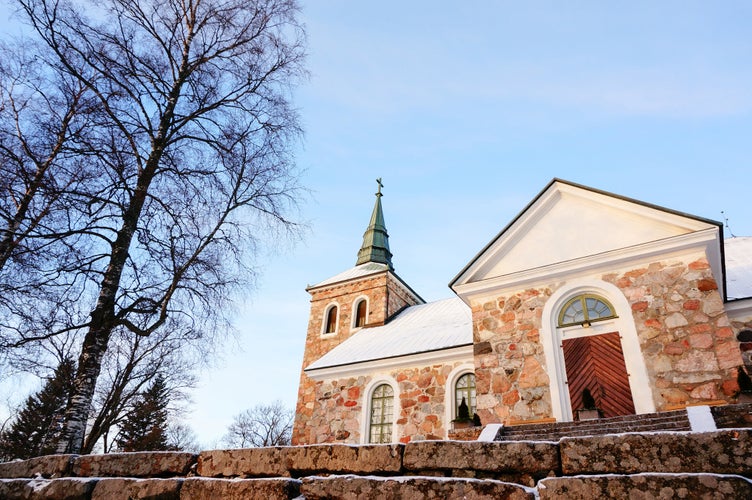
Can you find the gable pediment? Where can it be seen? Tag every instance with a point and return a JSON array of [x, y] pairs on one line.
[[567, 222]]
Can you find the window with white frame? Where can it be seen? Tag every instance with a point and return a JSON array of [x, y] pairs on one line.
[[585, 309], [330, 319], [382, 414], [464, 388], [361, 313]]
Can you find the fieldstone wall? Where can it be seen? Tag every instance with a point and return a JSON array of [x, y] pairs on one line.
[[687, 341], [386, 295], [689, 346], [419, 410], [656, 465], [510, 378]]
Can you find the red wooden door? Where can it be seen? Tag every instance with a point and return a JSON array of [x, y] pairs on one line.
[[597, 363]]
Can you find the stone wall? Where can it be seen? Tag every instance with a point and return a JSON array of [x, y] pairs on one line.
[[657, 465], [386, 295], [510, 378], [687, 341], [340, 405]]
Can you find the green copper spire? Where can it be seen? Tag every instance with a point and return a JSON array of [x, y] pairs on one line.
[[376, 240]]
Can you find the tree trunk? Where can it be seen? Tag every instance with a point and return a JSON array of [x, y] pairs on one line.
[[103, 321]]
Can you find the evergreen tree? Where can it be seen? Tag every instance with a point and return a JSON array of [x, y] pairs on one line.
[[37, 427], [145, 426]]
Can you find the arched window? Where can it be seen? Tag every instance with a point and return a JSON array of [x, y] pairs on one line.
[[361, 309], [465, 388], [331, 320], [584, 309], [382, 411]]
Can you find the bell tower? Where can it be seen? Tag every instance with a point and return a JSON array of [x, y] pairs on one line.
[[366, 295]]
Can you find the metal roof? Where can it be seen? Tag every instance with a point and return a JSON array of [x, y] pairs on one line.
[[353, 273], [423, 328], [375, 246]]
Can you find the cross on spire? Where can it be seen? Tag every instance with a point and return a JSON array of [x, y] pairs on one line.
[[375, 246]]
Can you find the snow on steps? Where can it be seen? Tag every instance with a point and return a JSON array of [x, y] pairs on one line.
[[662, 464], [665, 421]]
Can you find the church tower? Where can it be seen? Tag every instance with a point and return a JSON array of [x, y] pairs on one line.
[[366, 295]]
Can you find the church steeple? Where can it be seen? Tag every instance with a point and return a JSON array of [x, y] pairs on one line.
[[375, 246]]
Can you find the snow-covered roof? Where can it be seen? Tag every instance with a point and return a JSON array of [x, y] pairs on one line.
[[354, 272], [738, 267], [423, 328]]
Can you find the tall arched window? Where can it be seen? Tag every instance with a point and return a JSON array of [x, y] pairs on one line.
[[465, 388], [361, 309], [331, 320], [382, 412], [585, 309]]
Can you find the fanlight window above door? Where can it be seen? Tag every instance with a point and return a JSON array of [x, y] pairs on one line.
[[584, 309]]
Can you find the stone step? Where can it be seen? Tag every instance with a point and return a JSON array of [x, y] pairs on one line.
[[584, 487], [654, 422]]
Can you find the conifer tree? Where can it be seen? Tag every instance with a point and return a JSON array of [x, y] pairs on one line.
[[145, 426], [37, 427]]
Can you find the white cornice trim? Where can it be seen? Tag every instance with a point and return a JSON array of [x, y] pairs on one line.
[[739, 309], [461, 353], [699, 240], [555, 191]]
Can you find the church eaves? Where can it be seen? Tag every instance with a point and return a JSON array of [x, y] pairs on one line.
[[375, 246]]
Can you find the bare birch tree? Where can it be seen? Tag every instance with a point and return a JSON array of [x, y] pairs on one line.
[[192, 146], [262, 425]]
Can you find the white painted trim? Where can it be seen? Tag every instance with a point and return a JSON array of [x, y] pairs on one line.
[[365, 421], [739, 310], [328, 308], [699, 241], [551, 338], [462, 353], [449, 403], [354, 311], [513, 233]]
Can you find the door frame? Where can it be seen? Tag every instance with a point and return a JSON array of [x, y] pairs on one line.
[[552, 336]]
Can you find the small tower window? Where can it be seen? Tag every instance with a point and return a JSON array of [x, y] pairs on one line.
[[331, 320], [382, 411], [584, 309], [465, 389], [361, 309]]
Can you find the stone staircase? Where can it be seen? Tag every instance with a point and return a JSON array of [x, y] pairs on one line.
[[652, 422], [612, 461]]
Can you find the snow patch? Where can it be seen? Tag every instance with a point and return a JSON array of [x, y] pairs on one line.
[[490, 432], [701, 419]]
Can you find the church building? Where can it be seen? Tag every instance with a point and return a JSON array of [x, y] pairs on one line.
[[586, 297]]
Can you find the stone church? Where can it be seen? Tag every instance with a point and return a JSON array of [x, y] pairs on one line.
[[584, 295]]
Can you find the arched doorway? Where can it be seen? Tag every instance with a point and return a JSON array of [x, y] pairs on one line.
[[594, 362], [590, 342]]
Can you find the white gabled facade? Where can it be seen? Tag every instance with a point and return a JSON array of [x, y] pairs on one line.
[[638, 304]]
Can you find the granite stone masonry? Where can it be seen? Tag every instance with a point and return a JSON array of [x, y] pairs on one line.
[[510, 378], [653, 465], [523, 461], [705, 486], [386, 295], [298, 461], [724, 452], [136, 464], [686, 339], [342, 487], [337, 407]]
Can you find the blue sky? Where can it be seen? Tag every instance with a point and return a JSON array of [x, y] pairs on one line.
[[466, 110]]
